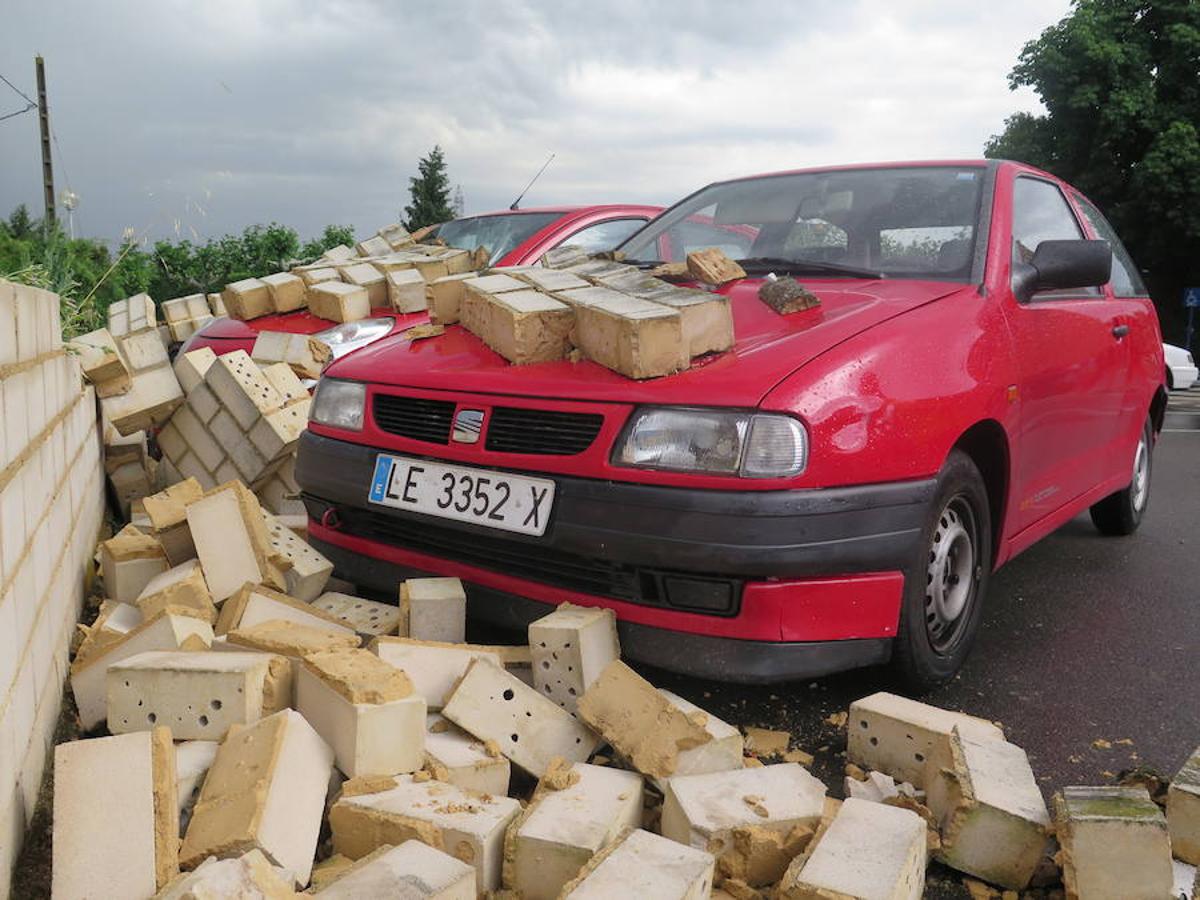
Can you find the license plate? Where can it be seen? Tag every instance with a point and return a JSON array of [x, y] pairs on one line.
[[495, 499]]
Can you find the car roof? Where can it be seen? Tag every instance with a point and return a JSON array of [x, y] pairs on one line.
[[596, 207]]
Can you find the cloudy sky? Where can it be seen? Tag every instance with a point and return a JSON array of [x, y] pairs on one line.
[[194, 119]]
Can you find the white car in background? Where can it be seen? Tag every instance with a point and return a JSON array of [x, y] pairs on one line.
[[1181, 368]]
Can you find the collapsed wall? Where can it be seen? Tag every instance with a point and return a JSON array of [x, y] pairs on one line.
[[51, 507]]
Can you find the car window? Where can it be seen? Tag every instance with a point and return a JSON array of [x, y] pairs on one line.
[[1041, 213], [499, 234], [604, 235], [1126, 282]]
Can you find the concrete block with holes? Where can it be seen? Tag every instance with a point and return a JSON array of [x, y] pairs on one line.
[[468, 826], [460, 758], [433, 609], [897, 736], [308, 570], [266, 790], [570, 648], [365, 709], [254, 604], [411, 870], [369, 618], [434, 668], [643, 864], [242, 388], [179, 589], [568, 822], [198, 695], [527, 727]]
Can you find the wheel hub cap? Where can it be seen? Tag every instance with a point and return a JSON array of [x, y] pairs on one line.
[[950, 577], [1141, 474]]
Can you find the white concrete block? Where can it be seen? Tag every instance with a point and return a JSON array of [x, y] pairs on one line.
[[413, 871], [468, 826], [192, 762], [1183, 811], [266, 789], [367, 617], [1115, 844], [255, 604], [365, 710], [462, 759], [709, 811], [435, 609], [895, 735], [433, 668], [870, 850], [242, 388], [198, 695], [724, 750], [115, 816], [570, 648], [309, 570], [527, 728], [179, 588], [563, 828], [231, 541], [129, 561], [644, 865], [286, 290]]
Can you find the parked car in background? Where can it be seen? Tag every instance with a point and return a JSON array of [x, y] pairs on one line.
[[514, 237], [834, 491], [1181, 368]]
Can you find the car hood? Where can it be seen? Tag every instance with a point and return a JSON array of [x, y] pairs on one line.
[[768, 348]]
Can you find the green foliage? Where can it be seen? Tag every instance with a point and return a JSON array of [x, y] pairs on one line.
[[430, 192], [1120, 80]]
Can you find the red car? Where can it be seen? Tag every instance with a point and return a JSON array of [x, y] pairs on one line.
[[516, 237], [834, 491]]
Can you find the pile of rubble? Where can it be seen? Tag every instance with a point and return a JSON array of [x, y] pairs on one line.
[[256, 745]]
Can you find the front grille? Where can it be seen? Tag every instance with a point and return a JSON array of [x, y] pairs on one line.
[[541, 431], [414, 417]]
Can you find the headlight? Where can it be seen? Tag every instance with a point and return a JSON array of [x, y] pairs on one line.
[[351, 336], [745, 444], [339, 404]]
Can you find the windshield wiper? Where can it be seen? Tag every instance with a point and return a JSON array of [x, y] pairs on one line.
[[811, 266]]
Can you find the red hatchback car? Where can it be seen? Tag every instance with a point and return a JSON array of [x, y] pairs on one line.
[[834, 491], [515, 237]]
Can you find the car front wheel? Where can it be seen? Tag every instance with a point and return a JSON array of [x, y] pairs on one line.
[[1121, 513], [945, 586]]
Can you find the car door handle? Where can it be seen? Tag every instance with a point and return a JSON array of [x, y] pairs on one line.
[[1119, 331]]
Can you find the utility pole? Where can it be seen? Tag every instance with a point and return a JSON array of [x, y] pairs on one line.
[[44, 124]]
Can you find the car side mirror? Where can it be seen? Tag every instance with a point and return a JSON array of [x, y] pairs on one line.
[[1059, 265]]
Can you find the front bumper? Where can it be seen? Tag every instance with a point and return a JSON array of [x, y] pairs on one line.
[[769, 584]]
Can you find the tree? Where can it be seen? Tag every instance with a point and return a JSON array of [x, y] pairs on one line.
[[1120, 81], [430, 192]]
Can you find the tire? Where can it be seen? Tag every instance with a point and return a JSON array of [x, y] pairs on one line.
[[1170, 381], [945, 585], [1121, 513]]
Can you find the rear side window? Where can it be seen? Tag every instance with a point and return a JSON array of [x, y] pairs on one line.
[[604, 235], [1126, 282], [1041, 213]]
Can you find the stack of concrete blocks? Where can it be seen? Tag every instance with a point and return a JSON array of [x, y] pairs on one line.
[[305, 354], [240, 422], [51, 506], [154, 392], [186, 315]]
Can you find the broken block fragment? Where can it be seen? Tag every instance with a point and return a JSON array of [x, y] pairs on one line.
[[287, 291], [250, 876], [527, 728], [308, 570], [992, 817], [753, 820], [786, 295], [712, 266], [468, 826], [180, 589], [247, 299], [724, 749], [895, 735], [566, 824], [870, 850], [645, 865], [231, 541], [198, 695], [461, 759], [640, 723], [254, 604], [1114, 843], [369, 618], [305, 354], [129, 561], [265, 790], [570, 648], [126, 781], [192, 761], [339, 301], [365, 710], [433, 609], [433, 667], [413, 871], [1183, 811], [167, 512]]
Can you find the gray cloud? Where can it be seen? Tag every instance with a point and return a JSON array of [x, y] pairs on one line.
[[179, 118]]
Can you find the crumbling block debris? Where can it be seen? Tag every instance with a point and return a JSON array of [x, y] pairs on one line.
[[250, 875], [366, 711], [869, 850], [116, 818], [433, 667], [786, 295], [1114, 843], [570, 648], [180, 589], [412, 870], [129, 561], [433, 609], [1183, 811], [712, 266], [265, 790], [642, 864], [368, 618], [462, 759], [527, 728]]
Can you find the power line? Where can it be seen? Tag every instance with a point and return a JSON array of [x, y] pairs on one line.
[[30, 104]]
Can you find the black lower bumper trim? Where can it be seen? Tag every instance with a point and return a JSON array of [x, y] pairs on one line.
[[696, 655]]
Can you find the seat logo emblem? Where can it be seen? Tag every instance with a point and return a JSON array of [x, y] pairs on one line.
[[468, 423]]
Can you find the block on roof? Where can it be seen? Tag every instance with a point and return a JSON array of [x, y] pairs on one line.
[[444, 296], [231, 541], [287, 291], [370, 279], [637, 338], [433, 609], [642, 864], [266, 790], [339, 301], [433, 667], [374, 246], [127, 780], [524, 327], [247, 299]]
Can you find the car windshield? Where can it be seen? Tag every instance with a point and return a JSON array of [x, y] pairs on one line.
[[500, 234], [906, 222]]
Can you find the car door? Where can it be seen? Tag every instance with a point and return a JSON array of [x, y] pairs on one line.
[[1072, 363]]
